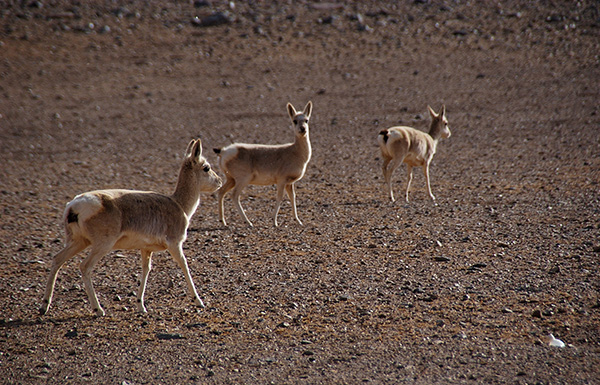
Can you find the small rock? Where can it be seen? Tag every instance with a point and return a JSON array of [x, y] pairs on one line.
[[169, 336], [441, 258], [537, 313], [213, 20]]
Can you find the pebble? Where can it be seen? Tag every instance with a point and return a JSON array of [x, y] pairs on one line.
[[213, 20], [169, 336], [537, 313]]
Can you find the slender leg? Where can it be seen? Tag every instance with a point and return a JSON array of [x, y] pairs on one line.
[[291, 191], [63, 256], [146, 267], [386, 176], [236, 198], [177, 253], [426, 172], [391, 167], [229, 184], [87, 266], [409, 170], [280, 187]]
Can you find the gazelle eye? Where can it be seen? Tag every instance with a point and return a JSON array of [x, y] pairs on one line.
[[206, 168], [295, 122]]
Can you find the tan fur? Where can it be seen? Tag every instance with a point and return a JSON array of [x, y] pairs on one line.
[[125, 220], [259, 164], [413, 147]]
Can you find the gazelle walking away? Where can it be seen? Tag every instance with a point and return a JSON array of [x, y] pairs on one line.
[[109, 220], [260, 164], [413, 147]]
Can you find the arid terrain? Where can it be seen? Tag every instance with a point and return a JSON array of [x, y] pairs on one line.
[[107, 94]]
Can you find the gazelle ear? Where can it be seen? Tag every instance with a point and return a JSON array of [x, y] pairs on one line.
[[443, 110], [194, 149], [291, 110], [188, 151], [432, 112], [308, 109], [197, 149]]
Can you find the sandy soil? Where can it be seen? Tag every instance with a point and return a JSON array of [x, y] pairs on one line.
[[101, 94]]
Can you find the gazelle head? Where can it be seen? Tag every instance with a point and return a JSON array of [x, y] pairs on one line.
[[440, 122], [198, 170], [300, 119]]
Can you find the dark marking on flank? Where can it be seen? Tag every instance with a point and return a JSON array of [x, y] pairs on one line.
[[217, 150]]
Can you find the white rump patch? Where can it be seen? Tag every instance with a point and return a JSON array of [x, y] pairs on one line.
[[85, 205]]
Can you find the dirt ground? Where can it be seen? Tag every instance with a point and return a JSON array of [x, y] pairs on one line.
[[105, 94]]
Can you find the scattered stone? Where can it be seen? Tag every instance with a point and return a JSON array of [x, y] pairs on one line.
[[537, 313], [213, 20], [169, 336], [72, 333], [441, 258], [344, 297]]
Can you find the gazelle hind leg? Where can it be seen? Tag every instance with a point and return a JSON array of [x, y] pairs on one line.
[[386, 176], [236, 199], [391, 167], [229, 184], [63, 256], [87, 266], [176, 252], [146, 267], [409, 172]]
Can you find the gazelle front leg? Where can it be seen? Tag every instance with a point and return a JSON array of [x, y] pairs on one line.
[[278, 200], [146, 267], [177, 253], [291, 191], [426, 172]]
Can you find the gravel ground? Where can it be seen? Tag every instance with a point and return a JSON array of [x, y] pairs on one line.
[[103, 94]]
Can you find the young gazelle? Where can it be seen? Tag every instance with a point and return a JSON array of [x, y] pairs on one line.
[[125, 219], [259, 164], [413, 147]]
